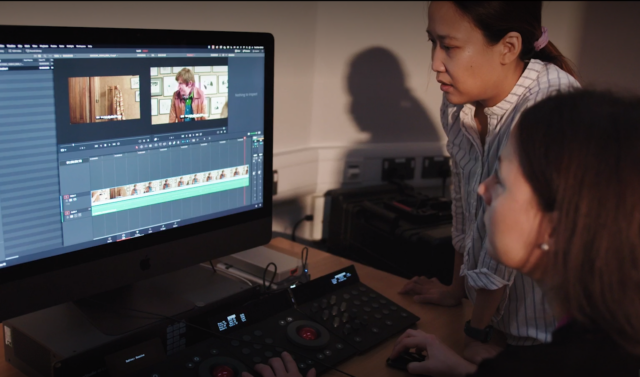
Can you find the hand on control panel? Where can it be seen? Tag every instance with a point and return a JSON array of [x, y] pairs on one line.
[[441, 360], [431, 291], [285, 367]]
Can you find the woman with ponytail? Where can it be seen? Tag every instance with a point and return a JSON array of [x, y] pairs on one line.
[[493, 59]]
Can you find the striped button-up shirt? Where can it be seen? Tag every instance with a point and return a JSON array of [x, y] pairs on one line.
[[523, 314]]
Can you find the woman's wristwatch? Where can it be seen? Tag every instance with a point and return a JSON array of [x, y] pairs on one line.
[[481, 335]]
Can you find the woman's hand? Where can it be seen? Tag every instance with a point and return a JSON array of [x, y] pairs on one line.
[[285, 367], [431, 291], [475, 351], [440, 361]]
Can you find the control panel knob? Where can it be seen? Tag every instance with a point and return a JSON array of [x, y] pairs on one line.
[[308, 333]]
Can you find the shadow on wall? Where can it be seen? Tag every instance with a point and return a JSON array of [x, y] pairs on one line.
[[381, 103], [610, 46]]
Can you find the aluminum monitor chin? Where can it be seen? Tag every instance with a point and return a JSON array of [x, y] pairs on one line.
[[127, 154]]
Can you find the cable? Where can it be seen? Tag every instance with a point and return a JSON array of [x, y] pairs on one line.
[[297, 224], [217, 334], [303, 258], [264, 276]]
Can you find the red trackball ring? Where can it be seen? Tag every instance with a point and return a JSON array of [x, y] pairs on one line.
[[222, 371], [308, 333]]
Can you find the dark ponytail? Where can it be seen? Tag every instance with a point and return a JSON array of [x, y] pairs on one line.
[[498, 18]]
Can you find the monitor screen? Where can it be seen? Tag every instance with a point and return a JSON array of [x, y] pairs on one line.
[[108, 147]]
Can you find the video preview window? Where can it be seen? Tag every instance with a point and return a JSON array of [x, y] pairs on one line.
[[104, 98], [186, 94]]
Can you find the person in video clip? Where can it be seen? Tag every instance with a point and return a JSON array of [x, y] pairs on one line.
[[209, 177], [195, 179], [148, 188], [236, 172], [187, 100], [222, 175], [166, 184], [134, 190], [246, 171], [180, 182]]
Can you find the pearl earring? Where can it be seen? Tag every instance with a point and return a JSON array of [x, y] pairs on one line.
[[544, 247]]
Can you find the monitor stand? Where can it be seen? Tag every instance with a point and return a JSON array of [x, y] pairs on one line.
[[132, 307]]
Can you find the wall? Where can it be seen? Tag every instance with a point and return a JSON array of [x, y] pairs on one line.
[[610, 48]]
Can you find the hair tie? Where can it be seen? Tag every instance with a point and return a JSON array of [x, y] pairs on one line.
[[544, 39]]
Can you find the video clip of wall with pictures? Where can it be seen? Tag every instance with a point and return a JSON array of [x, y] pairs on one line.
[[104, 99], [209, 94]]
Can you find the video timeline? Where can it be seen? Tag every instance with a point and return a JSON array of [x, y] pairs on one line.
[[142, 194]]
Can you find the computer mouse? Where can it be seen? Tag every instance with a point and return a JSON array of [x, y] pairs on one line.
[[404, 359]]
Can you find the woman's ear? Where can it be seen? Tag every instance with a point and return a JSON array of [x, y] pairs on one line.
[[510, 47]]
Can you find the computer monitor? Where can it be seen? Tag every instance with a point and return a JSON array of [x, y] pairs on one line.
[[126, 154]]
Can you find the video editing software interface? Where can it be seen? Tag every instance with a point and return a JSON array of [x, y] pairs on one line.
[[100, 144]]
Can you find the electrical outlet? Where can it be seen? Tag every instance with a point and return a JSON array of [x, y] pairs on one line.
[[436, 167]]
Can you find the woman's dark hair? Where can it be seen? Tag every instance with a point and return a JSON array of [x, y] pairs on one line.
[[579, 151], [498, 18]]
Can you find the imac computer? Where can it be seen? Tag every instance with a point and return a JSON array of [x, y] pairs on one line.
[[127, 155]]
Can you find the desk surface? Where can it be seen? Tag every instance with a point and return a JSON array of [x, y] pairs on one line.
[[446, 323]]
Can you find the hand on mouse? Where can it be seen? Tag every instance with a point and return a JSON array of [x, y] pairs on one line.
[[431, 291], [440, 361], [285, 367]]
